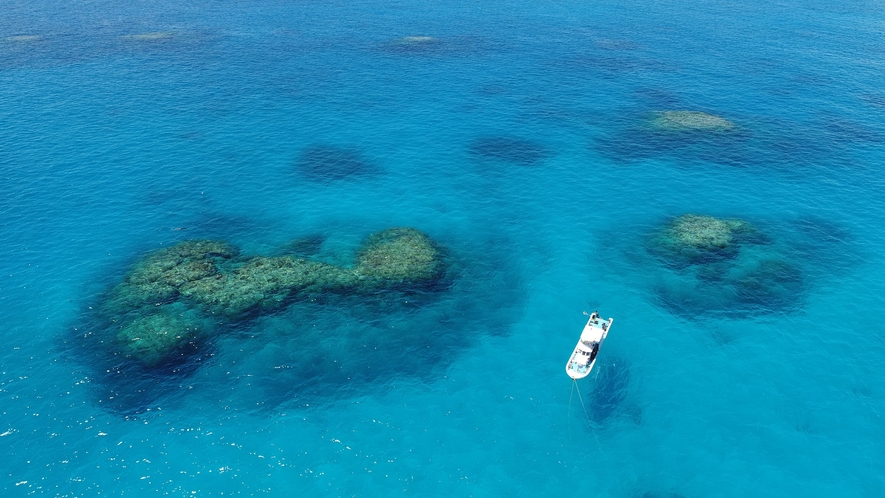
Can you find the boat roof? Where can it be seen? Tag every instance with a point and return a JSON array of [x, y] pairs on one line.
[[593, 330]]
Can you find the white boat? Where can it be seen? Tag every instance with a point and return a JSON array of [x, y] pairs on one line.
[[584, 356]]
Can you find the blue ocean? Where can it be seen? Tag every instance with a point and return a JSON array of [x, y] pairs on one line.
[[552, 158]]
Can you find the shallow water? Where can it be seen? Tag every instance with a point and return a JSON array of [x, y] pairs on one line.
[[517, 138]]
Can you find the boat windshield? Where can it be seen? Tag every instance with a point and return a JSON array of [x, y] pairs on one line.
[[594, 351]]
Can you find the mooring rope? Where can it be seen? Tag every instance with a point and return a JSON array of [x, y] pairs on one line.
[[582, 404], [571, 394], [569, 413]]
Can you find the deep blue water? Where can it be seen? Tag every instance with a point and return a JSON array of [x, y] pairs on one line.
[[515, 138]]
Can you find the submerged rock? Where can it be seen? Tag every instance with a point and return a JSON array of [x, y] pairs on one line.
[[689, 121]]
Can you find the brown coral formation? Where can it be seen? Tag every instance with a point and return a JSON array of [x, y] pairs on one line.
[[163, 304], [153, 337], [166, 273], [692, 239], [265, 283], [706, 232], [400, 256]]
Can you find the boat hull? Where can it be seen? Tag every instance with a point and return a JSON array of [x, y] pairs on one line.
[[583, 357]]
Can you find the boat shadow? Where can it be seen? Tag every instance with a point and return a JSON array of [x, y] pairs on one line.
[[608, 397]]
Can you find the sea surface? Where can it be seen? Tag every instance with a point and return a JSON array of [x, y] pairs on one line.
[[517, 136]]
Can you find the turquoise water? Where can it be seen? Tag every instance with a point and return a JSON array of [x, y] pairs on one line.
[[515, 138]]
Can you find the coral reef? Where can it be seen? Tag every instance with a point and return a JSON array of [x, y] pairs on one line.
[[400, 256], [323, 348], [693, 138], [163, 274], [692, 238], [723, 266], [263, 284], [689, 121], [155, 337], [157, 310], [687, 137], [707, 232]]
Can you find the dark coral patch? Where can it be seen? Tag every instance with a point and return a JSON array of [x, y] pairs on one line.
[[771, 284], [511, 150], [328, 163], [848, 132], [404, 307], [609, 63], [740, 289], [723, 266], [305, 247], [687, 135], [162, 306], [338, 345], [692, 136]]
